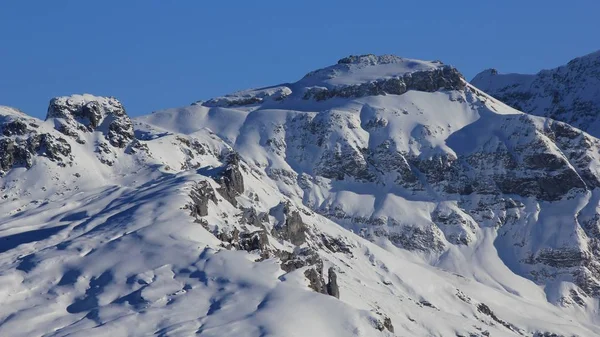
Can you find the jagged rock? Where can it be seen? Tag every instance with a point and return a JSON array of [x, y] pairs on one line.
[[457, 227], [300, 258], [387, 323], [332, 285], [251, 217], [576, 297], [136, 146], [344, 161], [251, 241], [290, 226], [335, 245], [412, 238], [581, 264], [230, 179], [484, 309], [305, 257], [200, 194], [16, 127], [315, 280], [86, 113], [542, 173], [387, 159], [22, 151], [561, 258], [383, 323]]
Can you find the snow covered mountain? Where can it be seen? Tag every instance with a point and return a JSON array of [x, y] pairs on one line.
[[570, 93], [380, 196]]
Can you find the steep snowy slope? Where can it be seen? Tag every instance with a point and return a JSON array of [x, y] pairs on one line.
[[570, 93], [380, 196]]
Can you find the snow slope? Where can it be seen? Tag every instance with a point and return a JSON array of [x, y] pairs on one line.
[[377, 197]]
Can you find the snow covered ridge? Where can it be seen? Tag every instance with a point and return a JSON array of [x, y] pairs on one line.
[[427, 212], [569, 93], [353, 77]]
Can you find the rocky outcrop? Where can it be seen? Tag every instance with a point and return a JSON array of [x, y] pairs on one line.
[[484, 309], [21, 142], [344, 161], [249, 97], [290, 227], [251, 241], [305, 257], [387, 160], [445, 78], [248, 240], [17, 127], [79, 114], [230, 179], [315, 280], [332, 286], [383, 322], [201, 194]]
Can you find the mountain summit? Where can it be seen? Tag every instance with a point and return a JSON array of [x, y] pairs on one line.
[[380, 196], [353, 77]]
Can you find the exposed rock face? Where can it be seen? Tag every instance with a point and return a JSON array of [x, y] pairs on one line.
[[21, 142], [231, 180], [383, 322], [447, 78], [543, 172], [387, 323], [568, 93], [306, 257], [86, 113], [290, 226], [315, 280], [16, 127], [332, 286], [250, 241], [249, 97], [484, 309], [201, 194], [410, 75]]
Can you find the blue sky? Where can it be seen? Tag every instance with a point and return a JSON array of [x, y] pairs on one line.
[[154, 54]]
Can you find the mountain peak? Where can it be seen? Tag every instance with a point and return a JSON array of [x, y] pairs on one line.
[[360, 69], [353, 77], [87, 113], [86, 107]]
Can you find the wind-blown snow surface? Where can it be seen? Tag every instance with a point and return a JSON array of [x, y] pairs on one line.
[[98, 240]]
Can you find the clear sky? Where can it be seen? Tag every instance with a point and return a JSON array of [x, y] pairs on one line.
[[154, 54]]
